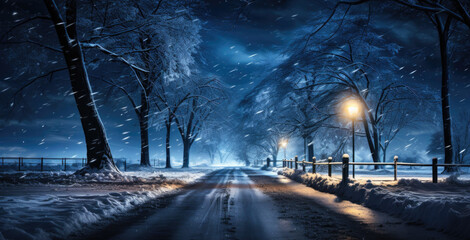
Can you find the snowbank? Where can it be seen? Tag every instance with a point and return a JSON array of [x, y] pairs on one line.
[[56, 216], [443, 206], [70, 178], [148, 175], [52, 205]]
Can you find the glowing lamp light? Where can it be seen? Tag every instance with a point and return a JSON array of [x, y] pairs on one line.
[[352, 108], [283, 143]]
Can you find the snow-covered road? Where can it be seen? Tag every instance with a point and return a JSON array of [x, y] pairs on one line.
[[242, 203], [223, 205]]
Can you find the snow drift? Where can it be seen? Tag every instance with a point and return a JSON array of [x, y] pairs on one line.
[[444, 206], [52, 216], [53, 205]]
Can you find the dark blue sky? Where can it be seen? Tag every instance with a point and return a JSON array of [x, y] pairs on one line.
[[241, 45]]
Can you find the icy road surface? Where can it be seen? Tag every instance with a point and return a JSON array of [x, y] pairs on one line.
[[242, 203]]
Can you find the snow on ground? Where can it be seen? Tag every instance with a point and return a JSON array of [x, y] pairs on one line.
[[443, 206], [47, 205]]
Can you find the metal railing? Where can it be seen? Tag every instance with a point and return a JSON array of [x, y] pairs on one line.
[[294, 164], [22, 163], [157, 162]]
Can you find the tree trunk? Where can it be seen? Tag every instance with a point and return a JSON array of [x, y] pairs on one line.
[[445, 101], [211, 157], [144, 143], [305, 146], [384, 159], [275, 158], [167, 145], [221, 157], [370, 142], [376, 155], [186, 147], [144, 131], [310, 153], [98, 151]]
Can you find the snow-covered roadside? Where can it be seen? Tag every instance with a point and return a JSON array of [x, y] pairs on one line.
[[444, 206], [52, 205]]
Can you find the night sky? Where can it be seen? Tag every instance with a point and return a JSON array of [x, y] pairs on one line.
[[242, 44]]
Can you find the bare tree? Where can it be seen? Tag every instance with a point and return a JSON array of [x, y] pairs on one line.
[[161, 36], [443, 25], [442, 14], [272, 143], [462, 137], [169, 103], [214, 135], [395, 115], [192, 114], [98, 151], [359, 66], [308, 105]]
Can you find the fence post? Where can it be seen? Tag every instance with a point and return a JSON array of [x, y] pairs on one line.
[[330, 159], [268, 162], [65, 164], [19, 164], [303, 165], [309, 151], [434, 170], [295, 161], [314, 160], [395, 160], [345, 168], [125, 165], [42, 163], [283, 163]]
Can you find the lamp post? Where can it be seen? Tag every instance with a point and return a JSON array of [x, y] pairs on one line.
[[283, 144], [353, 111]]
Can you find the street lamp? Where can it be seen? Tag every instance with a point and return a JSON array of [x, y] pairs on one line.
[[283, 144], [353, 109]]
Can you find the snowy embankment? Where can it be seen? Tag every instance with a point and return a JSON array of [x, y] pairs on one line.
[[444, 206], [54, 205]]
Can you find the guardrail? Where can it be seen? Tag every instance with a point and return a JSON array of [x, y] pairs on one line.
[[294, 163], [42, 162]]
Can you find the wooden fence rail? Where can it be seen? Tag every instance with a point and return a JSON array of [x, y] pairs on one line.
[[41, 161], [293, 163]]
